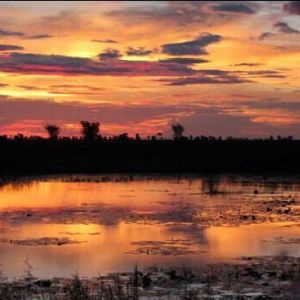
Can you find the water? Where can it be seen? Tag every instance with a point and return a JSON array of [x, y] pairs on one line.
[[113, 223]]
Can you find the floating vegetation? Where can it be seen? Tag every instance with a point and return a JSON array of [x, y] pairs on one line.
[[79, 233], [283, 240], [44, 241], [163, 223], [255, 211], [167, 247]]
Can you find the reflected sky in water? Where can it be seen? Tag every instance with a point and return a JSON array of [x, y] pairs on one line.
[[116, 242]]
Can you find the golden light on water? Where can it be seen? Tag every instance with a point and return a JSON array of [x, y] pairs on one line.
[[100, 221]]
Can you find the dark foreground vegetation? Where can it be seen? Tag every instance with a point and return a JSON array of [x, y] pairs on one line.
[[36, 155], [250, 278], [93, 153]]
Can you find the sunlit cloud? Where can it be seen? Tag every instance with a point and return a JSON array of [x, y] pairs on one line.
[[138, 66]]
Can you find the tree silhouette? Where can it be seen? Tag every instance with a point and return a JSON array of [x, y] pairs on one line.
[[123, 137], [178, 130], [53, 131], [90, 131]]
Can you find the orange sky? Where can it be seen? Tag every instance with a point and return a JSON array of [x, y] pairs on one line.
[[219, 68]]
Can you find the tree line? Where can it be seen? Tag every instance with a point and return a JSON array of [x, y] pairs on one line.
[[183, 154], [91, 131]]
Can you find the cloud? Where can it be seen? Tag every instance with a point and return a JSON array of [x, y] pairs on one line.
[[292, 7], [24, 109], [248, 64], [185, 60], [108, 41], [10, 47], [64, 89], [67, 86], [214, 122], [140, 51], [273, 103], [172, 13], [24, 63], [27, 116], [47, 60], [15, 112], [30, 88], [40, 36], [207, 77], [3, 85], [264, 74], [192, 47], [110, 54], [4, 33], [285, 28], [282, 27], [181, 68], [265, 35], [233, 8], [65, 21], [218, 123]]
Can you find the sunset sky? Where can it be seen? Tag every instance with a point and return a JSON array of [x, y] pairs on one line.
[[219, 68]]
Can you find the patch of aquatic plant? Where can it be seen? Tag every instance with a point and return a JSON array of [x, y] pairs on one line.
[[44, 241]]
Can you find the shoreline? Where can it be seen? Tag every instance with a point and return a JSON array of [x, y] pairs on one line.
[[263, 277]]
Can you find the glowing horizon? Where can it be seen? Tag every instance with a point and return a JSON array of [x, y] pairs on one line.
[[219, 68]]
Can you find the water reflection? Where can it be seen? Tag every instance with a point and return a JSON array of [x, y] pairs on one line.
[[118, 221]]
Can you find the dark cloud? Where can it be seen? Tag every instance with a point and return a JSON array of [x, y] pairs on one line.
[[264, 74], [65, 65], [22, 63], [140, 51], [292, 7], [10, 33], [109, 54], [207, 77], [63, 89], [219, 123], [3, 85], [10, 47], [72, 86], [248, 64], [233, 8], [192, 47], [230, 120], [216, 123], [282, 27], [173, 13], [226, 120], [46, 60], [30, 87], [108, 41], [75, 89], [285, 28], [40, 36], [273, 103], [19, 109], [185, 60], [265, 35]]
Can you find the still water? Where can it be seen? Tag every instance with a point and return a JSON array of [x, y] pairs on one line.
[[111, 223]]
